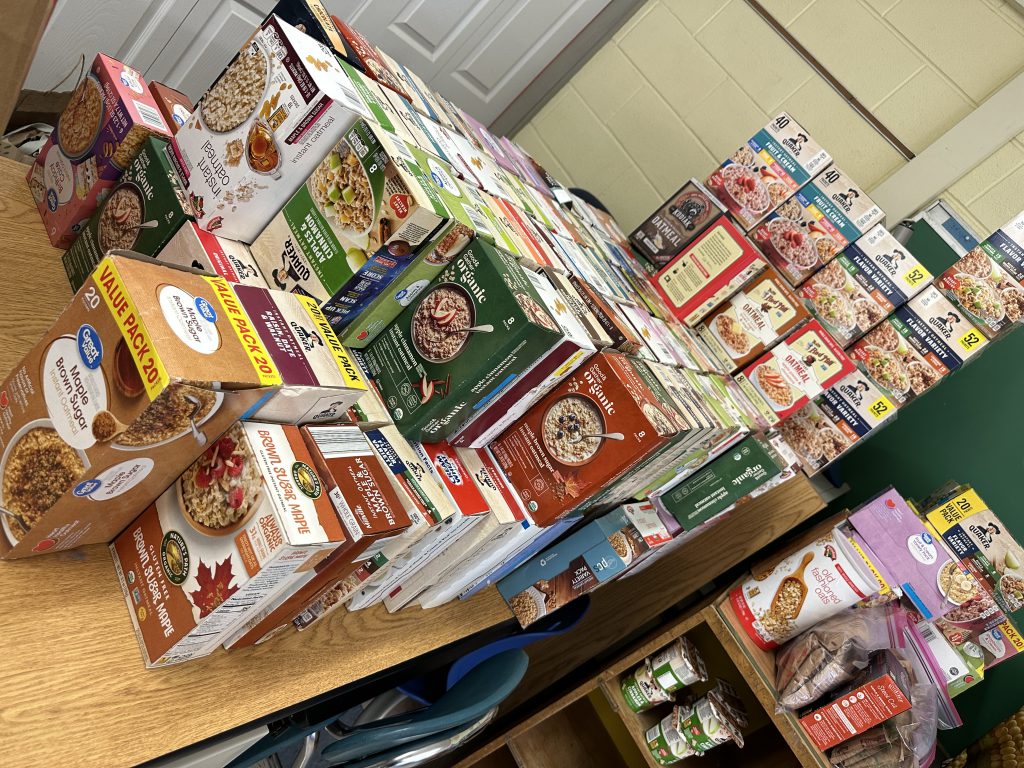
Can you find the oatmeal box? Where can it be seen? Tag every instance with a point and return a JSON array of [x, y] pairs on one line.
[[195, 248], [767, 170], [988, 294], [242, 524], [586, 433], [894, 359], [710, 270], [108, 117], [262, 129], [668, 230], [936, 325], [809, 229], [798, 369], [760, 314], [144, 368], [471, 333]]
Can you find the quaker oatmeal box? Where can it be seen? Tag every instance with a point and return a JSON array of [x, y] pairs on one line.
[[241, 525], [841, 416], [364, 217], [798, 369], [896, 363], [942, 328], [760, 314], [863, 285], [146, 366], [715, 265], [810, 228], [108, 117], [767, 170], [586, 433], [470, 334], [195, 248], [981, 284], [668, 230], [262, 129]]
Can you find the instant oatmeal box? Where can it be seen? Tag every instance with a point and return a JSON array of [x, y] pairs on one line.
[[145, 368]]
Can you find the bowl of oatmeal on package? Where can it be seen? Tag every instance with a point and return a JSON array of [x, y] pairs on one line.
[[572, 429], [441, 321], [238, 92], [220, 492]]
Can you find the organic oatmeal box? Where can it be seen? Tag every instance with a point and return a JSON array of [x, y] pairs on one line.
[[243, 523], [766, 171], [596, 553], [939, 327], [262, 129], [143, 368], [108, 117], [760, 314], [195, 248], [990, 296], [809, 229], [174, 105], [710, 270], [667, 231], [796, 370], [586, 433], [474, 330], [361, 53], [142, 213]]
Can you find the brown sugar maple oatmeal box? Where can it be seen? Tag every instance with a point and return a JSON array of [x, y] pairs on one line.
[[583, 435], [243, 523], [145, 368]]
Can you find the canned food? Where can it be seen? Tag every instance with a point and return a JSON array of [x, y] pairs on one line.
[[678, 666], [714, 719], [666, 741], [641, 691]]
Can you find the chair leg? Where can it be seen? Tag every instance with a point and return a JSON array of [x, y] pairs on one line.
[[307, 751]]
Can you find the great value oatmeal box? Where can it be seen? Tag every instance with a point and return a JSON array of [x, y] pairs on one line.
[[108, 117], [587, 432], [809, 229], [262, 129], [241, 524], [474, 330], [796, 370], [760, 314], [711, 269], [767, 170], [141, 371]]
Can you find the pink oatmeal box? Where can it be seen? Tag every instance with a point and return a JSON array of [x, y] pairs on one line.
[[108, 117]]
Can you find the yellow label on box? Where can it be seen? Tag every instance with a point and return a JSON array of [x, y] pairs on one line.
[[247, 335], [883, 586], [348, 368], [955, 511], [971, 340], [915, 276], [126, 314], [881, 408], [1010, 633]]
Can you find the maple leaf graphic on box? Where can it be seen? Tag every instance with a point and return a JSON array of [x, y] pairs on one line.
[[214, 587]]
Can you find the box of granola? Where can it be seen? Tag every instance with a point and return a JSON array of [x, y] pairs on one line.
[[262, 129], [107, 119], [767, 170]]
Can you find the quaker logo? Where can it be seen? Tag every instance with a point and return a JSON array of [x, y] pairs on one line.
[[307, 338], [449, 468], [987, 534], [690, 210], [845, 199], [292, 270], [330, 412], [856, 391], [795, 144], [891, 261], [483, 477], [243, 270], [945, 325]]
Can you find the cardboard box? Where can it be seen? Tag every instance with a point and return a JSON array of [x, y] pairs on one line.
[[174, 106], [621, 334], [767, 170], [863, 285], [121, 354], [939, 328], [715, 265], [195, 248], [555, 472], [989, 295], [432, 371], [667, 231], [896, 361], [593, 555], [215, 547], [107, 119], [808, 230], [370, 512], [760, 314], [785, 378], [361, 53], [141, 214], [262, 129]]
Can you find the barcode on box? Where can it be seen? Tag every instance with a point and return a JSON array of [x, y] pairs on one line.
[[149, 115], [340, 442], [479, 223]]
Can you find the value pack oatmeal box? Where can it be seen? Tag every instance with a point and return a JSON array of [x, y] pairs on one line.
[[108, 117], [766, 171], [863, 285], [760, 314], [710, 270], [796, 370], [667, 231], [587, 432], [142, 212], [262, 129], [145, 366], [195, 248], [809, 229], [471, 333], [985, 283], [242, 523], [360, 221]]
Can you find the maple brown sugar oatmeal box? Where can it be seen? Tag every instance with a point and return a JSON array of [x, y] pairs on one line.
[[586, 433], [766, 171], [144, 368], [242, 523], [262, 128]]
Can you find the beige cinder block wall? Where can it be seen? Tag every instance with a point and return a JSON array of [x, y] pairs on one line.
[[684, 81]]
